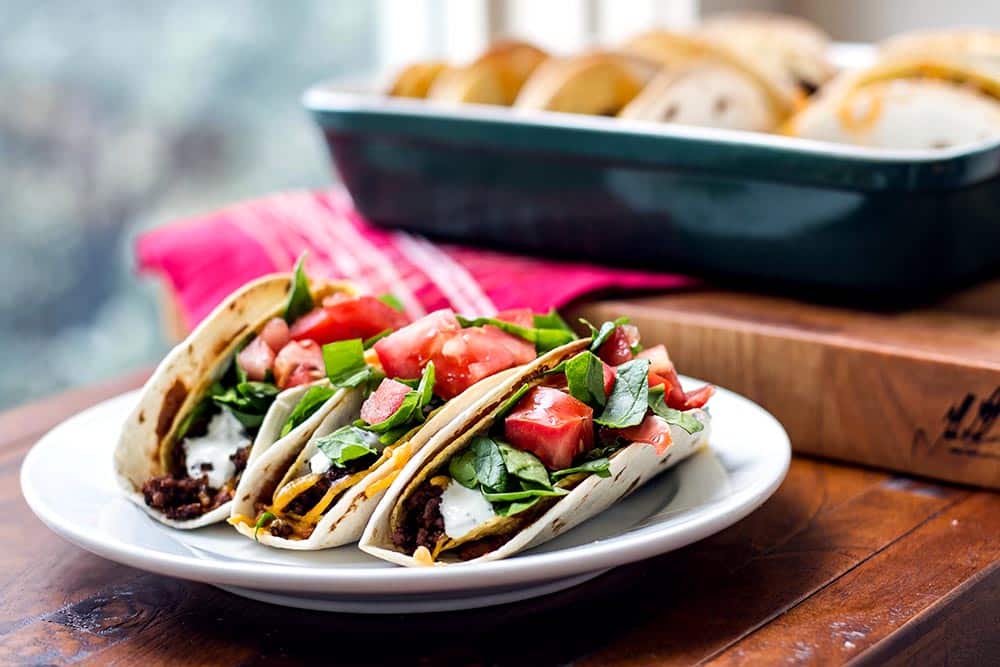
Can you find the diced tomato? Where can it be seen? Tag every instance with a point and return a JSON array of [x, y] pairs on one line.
[[522, 350], [405, 352], [617, 349], [675, 397], [345, 318], [384, 401], [552, 425], [256, 359], [299, 362], [653, 430], [609, 379], [461, 357], [275, 333], [522, 317], [697, 398], [659, 360]]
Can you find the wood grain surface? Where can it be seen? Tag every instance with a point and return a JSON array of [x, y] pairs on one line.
[[842, 564], [915, 391]]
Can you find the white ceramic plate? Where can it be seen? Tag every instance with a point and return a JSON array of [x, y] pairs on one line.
[[68, 482]]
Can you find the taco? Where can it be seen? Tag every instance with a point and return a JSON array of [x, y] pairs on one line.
[[250, 375], [908, 103], [540, 452], [421, 380]]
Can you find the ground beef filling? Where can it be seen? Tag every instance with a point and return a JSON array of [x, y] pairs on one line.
[[422, 524], [183, 498]]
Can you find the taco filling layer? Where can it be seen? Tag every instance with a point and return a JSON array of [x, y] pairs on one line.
[[413, 373], [547, 436], [209, 448]]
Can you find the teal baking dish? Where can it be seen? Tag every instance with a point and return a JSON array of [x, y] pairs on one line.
[[730, 206]]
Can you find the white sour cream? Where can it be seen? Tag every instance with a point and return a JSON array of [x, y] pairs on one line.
[[223, 437], [463, 510], [319, 463]]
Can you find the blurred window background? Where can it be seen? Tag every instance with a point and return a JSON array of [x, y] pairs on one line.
[[120, 116]]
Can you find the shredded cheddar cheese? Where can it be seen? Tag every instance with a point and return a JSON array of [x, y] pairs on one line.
[[382, 484], [423, 556], [397, 455], [313, 515], [289, 491], [440, 481], [240, 519]]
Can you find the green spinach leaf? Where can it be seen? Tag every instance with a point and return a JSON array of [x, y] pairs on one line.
[[524, 466], [512, 402], [585, 377], [544, 339], [369, 342], [523, 494], [599, 336], [345, 363], [552, 320], [462, 468], [629, 399], [488, 461], [685, 420], [300, 300], [516, 507], [391, 301], [307, 406], [348, 443], [263, 520], [411, 410], [598, 467]]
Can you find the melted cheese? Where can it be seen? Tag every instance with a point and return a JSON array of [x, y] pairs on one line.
[[223, 437], [313, 515], [422, 556], [288, 492], [240, 519], [382, 484], [398, 455]]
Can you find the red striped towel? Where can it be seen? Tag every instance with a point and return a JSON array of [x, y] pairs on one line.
[[206, 258]]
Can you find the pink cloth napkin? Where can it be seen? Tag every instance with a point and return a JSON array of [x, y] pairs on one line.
[[206, 258]]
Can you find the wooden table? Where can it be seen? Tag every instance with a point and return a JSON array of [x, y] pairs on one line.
[[841, 564]]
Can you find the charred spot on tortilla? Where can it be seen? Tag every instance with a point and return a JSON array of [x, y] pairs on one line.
[[142, 417], [721, 105], [172, 402], [223, 344], [631, 487]]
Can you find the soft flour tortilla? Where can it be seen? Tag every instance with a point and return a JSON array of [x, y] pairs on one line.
[[179, 382], [344, 521], [912, 103], [630, 468]]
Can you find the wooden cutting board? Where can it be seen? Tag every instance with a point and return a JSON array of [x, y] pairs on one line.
[[915, 391]]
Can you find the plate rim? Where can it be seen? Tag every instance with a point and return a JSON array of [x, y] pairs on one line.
[[615, 551]]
